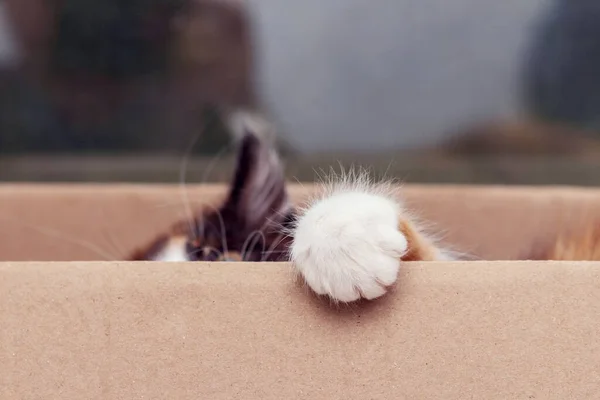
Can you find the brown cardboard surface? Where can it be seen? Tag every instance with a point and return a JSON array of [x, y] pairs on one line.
[[63, 222], [469, 330], [119, 330]]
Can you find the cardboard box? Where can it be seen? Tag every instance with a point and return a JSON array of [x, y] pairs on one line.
[[88, 329]]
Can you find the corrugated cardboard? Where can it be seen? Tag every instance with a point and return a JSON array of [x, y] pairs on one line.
[[64, 222], [115, 330]]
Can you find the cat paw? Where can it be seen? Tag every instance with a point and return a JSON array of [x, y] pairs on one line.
[[347, 245]]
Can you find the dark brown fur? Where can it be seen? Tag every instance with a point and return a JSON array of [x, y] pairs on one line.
[[239, 229]]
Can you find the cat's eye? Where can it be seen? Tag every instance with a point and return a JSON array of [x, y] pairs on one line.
[[205, 253], [210, 254]]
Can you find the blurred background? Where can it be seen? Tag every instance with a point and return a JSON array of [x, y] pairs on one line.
[[463, 91]]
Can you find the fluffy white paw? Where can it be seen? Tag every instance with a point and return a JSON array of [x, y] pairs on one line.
[[348, 246]]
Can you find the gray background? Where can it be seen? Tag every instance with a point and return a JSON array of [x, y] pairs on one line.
[[348, 74], [385, 74]]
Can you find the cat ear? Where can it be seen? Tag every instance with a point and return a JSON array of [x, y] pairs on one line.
[[242, 122], [258, 197]]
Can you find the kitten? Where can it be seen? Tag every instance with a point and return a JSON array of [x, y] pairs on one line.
[[347, 243], [251, 224]]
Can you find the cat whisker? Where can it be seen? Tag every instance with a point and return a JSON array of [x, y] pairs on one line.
[[211, 165], [112, 243], [182, 179], [246, 242], [387, 170], [109, 239], [276, 224], [182, 182], [254, 235], [271, 250], [223, 229], [51, 232], [298, 182], [278, 252]]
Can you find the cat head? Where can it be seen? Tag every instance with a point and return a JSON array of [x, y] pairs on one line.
[[249, 225]]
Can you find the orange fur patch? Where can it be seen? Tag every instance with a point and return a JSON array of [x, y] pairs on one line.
[[419, 247], [583, 247], [566, 247]]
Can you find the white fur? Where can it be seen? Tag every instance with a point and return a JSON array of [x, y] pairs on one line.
[[347, 244], [173, 251]]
